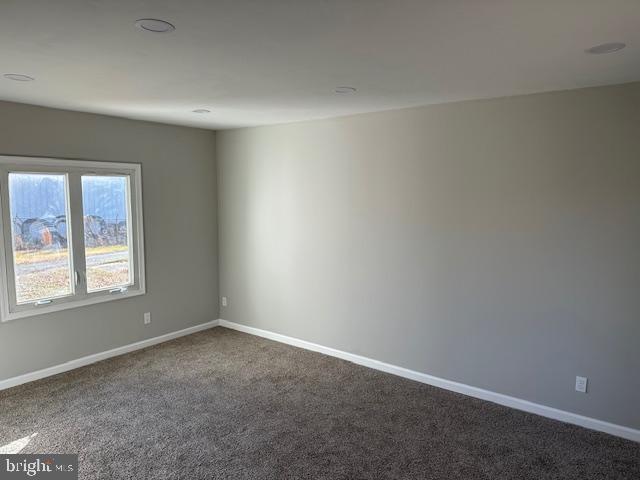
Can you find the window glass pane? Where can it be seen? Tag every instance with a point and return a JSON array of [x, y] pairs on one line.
[[42, 260], [106, 231]]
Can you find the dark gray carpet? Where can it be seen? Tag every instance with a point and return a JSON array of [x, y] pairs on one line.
[[226, 405]]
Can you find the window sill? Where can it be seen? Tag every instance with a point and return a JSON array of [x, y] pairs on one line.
[[8, 316]]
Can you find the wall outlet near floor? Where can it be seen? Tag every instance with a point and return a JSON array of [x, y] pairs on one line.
[[224, 301], [147, 318], [581, 384]]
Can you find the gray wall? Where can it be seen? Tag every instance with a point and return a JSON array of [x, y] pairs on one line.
[[178, 174], [494, 243]]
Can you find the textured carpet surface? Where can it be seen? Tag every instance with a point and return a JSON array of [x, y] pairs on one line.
[[226, 405]]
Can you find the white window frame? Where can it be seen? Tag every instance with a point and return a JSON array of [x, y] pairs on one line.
[[74, 170]]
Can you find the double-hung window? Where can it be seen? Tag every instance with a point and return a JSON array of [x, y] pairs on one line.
[[71, 234]]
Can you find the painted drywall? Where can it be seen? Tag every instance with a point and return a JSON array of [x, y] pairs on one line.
[[494, 243], [179, 202]]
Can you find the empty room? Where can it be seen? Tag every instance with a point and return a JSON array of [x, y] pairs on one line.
[[320, 239]]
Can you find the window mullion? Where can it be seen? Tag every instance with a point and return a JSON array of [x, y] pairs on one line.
[[77, 233]]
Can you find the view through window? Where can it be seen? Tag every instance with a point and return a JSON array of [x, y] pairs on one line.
[[106, 233], [41, 250]]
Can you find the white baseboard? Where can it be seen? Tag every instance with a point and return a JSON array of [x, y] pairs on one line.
[[499, 398], [96, 357], [506, 400]]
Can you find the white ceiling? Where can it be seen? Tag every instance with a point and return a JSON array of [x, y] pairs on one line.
[[254, 62]]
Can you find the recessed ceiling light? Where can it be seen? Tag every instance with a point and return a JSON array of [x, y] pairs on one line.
[[154, 25], [18, 77], [344, 90], [606, 48], [201, 110]]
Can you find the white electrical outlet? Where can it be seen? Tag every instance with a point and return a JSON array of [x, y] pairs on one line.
[[581, 384], [224, 301], [147, 318]]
